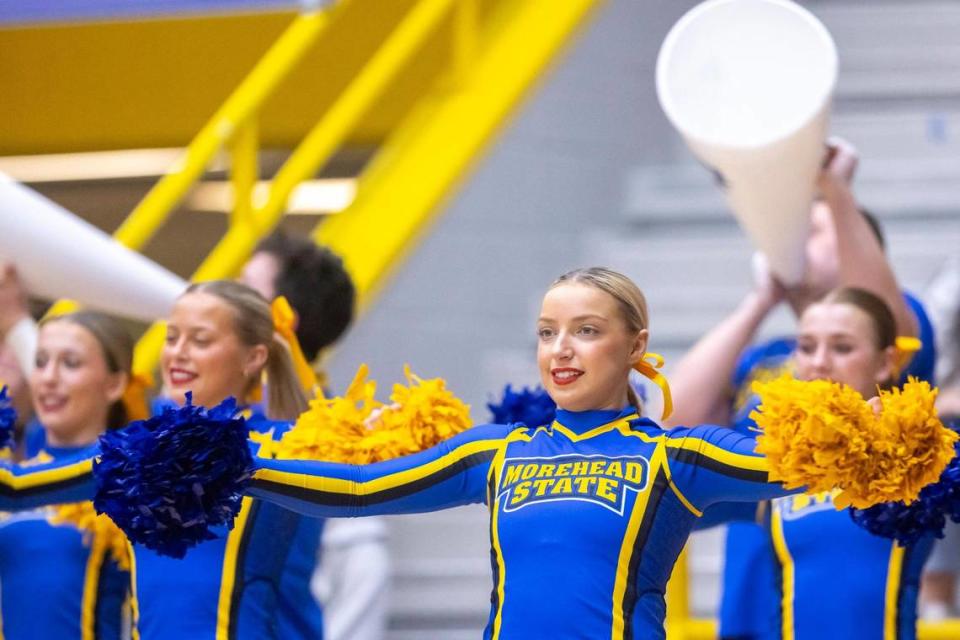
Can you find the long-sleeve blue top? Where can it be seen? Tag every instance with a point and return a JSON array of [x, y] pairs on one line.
[[832, 580], [52, 585], [837, 581], [587, 515]]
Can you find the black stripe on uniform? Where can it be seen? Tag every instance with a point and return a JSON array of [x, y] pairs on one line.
[[494, 564], [699, 459], [52, 487], [631, 596], [908, 556], [333, 499], [239, 579]]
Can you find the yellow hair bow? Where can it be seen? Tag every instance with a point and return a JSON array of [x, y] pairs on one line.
[[284, 323], [649, 370], [134, 397], [906, 347]]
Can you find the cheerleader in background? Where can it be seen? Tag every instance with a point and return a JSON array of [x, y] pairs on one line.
[[833, 579], [220, 340], [58, 582], [712, 382]]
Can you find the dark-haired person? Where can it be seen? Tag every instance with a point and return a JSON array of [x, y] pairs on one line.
[[312, 279], [711, 383], [56, 584]]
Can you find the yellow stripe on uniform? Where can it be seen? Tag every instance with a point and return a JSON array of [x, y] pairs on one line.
[[891, 604], [786, 571], [738, 460], [592, 433], [351, 488], [49, 476], [229, 574], [657, 462], [134, 603], [626, 431], [501, 567], [91, 589], [495, 466]]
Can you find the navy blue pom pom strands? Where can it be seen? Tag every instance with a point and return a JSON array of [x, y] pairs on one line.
[[529, 407], [168, 480], [8, 418]]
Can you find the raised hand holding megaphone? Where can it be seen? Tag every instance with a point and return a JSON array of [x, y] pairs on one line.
[[58, 255], [748, 84]]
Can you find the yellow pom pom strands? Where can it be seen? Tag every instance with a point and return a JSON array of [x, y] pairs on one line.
[[918, 445], [99, 531], [358, 429], [822, 435]]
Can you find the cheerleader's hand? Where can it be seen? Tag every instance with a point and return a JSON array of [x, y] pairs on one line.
[[768, 289], [13, 299], [876, 405], [840, 163]]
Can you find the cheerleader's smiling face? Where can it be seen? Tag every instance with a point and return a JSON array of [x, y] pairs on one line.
[[585, 350], [203, 353], [838, 342], [71, 386]]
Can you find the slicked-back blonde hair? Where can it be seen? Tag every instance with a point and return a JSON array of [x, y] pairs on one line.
[[253, 324], [630, 300]]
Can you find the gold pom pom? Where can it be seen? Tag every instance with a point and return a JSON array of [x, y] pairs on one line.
[[823, 435], [358, 429], [99, 531]]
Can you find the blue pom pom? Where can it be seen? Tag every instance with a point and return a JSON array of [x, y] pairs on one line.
[[530, 407], [927, 515], [167, 480], [8, 418]]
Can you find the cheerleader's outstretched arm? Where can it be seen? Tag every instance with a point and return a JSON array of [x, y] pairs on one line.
[[453, 473]]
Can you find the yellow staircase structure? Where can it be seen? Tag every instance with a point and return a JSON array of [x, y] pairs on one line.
[[483, 56]]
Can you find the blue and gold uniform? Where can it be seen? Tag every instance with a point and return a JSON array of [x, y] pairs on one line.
[[251, 582], [837, 581], [832, 579], [54, 585], [587, 515], [749, 579]]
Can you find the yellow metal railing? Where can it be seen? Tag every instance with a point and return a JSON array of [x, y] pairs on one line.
[[440, 140], [235, 125], [681, 626], [476, 94], [238, 111]]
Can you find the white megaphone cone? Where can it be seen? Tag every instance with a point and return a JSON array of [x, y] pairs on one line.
[[748, 84], [59, 255]]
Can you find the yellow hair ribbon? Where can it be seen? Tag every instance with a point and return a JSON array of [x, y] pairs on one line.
[[649, 370], [134, 397], [99, 531], [284, 323], [906, 347], [61, 308]]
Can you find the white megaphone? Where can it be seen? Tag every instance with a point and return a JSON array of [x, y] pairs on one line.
[[748, 84], [58, 255]]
